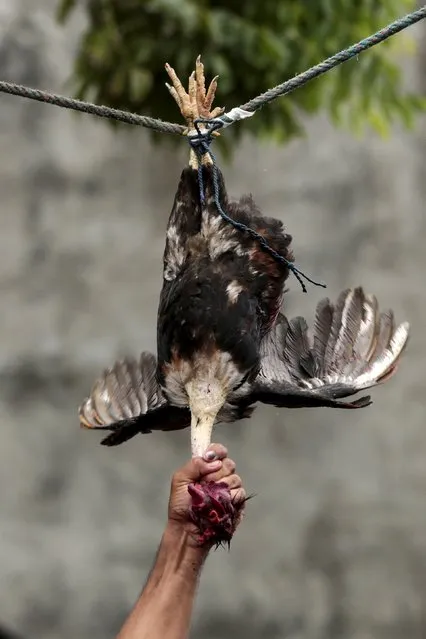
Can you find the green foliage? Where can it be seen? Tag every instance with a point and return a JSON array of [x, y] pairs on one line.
[[253, 45]]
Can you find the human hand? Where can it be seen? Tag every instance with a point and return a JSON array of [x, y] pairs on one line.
[[214, 466]]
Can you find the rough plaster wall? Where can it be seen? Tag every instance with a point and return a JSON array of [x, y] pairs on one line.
[[333, 546]]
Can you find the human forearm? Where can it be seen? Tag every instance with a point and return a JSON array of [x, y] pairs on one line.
[[164, 608]]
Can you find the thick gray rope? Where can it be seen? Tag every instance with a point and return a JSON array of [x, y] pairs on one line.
[[328, 64], [235, 114], [94, 109]]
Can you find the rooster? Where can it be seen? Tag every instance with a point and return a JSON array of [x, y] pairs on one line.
[[222, 343]]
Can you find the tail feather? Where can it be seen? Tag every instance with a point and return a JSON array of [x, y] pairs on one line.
[[383, 366], [350, 323], [335, 328], [298, 346], [354, 348], [365, 342], [366, 348], [322, 328], [385, 331]]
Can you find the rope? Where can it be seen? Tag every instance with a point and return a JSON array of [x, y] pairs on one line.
[[235, 114], [201, 145], [93, 109], [201, 142], [323, 67]]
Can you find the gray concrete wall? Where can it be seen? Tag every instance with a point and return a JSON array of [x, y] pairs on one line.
[[333, 546]]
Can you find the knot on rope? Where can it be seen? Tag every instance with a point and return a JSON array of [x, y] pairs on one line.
[[200, 141]]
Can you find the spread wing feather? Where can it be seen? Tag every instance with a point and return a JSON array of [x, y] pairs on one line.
[[323, 320], [354, 347], [128, 400]]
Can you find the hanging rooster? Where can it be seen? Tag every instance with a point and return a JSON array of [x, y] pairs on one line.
[[222, 343]]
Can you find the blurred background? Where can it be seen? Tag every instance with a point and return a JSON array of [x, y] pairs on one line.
[[334, 545]]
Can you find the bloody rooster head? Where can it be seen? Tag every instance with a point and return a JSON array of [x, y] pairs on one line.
[[214, 513]]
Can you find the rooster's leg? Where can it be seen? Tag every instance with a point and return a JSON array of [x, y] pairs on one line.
[[194, 103], [213, 511]]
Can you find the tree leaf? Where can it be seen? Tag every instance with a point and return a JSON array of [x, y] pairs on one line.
[[253, 46]]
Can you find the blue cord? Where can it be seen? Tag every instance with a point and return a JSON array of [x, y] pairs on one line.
[[201, 145]]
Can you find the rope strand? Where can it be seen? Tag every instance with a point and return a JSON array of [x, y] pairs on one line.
[[334, 61], [93, 109], [236, 113]]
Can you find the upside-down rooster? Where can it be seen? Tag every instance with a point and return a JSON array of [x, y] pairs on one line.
[[222, 343]]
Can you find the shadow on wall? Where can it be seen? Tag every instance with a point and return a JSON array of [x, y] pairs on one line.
[[6, 634]]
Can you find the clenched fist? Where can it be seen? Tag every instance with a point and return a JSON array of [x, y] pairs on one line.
[[214, 466]]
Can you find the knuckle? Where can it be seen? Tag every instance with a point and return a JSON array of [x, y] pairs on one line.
[[215, 476], [239, 494], [197, 463], [176, 478], [237, 481], [229, 465]]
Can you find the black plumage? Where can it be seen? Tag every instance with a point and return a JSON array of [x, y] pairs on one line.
[[222, 343]]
